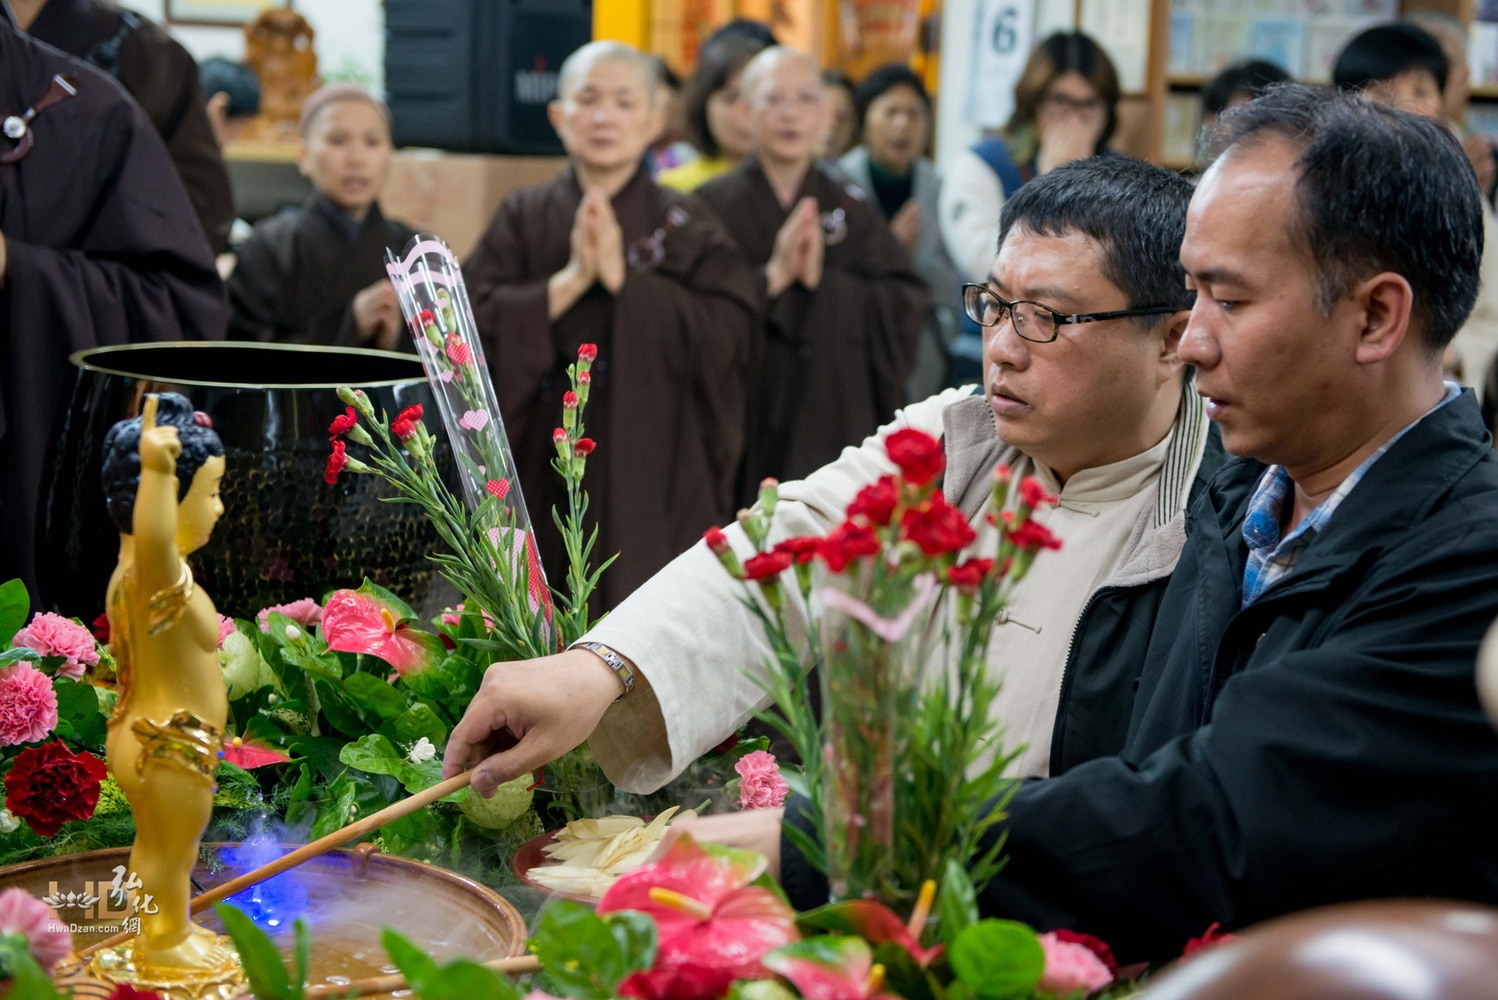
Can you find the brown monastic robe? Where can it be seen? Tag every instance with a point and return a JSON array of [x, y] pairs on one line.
[[163, 77], [102, 248], [669, 388], [299, 271], [836, 358]]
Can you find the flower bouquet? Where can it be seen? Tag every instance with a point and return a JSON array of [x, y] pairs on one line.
[[902, 767]]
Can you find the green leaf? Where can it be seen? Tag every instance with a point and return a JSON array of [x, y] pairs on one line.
[[460, 979], [582, 952], [416, 965], [759, 989], [374, 696], [902, 975], [25, 979], [303, 952], [636, 936], [417, 721], [998, 959], [261, 960], [377, 755], [19, 654], [78, 705], [14, 605], [956, 902], [398, 607]]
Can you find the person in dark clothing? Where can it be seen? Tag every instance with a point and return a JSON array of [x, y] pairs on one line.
[[316, 274], [1307, 727], [232, 94], [161, 75], [98, 246]]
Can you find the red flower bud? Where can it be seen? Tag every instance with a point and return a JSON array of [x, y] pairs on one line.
[[569, 400], [1032, 494], [971, 574], [558, 436], [460, 353], [586, 378], [716, 541], [1032, 536], [405, 424], [584, 447], [425, 317], [801, 550], [342, 425], [202, 419], [336, 462], [588, 352]]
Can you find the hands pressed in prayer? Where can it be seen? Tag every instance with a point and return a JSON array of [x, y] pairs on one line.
[[906, 225], [755, 830], [573, 281], [377, 315], [800, 236], [527, 714], [607, 239]]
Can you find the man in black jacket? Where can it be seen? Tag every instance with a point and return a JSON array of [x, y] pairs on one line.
[[1307, 728]]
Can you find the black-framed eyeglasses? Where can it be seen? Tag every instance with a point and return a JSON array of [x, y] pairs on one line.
[[1039, 324]]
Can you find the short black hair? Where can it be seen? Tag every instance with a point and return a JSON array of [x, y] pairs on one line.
[[743, 27], [1250, 77], [224, 76], [885, 79], [121, 471], [1378, 190], [1386, 51], [1136, 212]]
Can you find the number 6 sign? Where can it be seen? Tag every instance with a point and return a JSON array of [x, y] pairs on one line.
[[1001, 46]]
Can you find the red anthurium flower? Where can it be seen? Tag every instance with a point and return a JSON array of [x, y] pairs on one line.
[[713, 926], [917, 454], [250, 754], [830, 968], [372, 620], [877, 501]]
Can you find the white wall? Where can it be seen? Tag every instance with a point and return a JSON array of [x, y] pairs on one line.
[[349, 41]]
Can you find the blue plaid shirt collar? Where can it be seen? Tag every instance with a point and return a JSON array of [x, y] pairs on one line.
[[1270, 557]]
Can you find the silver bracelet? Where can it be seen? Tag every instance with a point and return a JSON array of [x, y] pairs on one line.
[[617, 663]]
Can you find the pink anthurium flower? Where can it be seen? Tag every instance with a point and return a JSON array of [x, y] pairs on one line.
[[830, 968], [250, 754], [374, 621], [714, 927]]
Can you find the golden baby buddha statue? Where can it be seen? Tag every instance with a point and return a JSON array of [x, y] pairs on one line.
[[161, 479]]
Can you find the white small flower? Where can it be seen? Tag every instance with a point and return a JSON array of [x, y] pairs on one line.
[[422, 751], [292, 632], [9, 823]]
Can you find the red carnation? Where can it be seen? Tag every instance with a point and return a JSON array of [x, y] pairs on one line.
[[877, 501], [584, 447], [937, 527], [425, 317], [569, 400], [971, 574], [918, 455], [342, 425], [50, 785], [584, 378], [1210, 938], [847, 542], [1097, 946], [800, 550], [1032, 494], [336, 462], [716, 541], [100, 628], [459, 352], [588, 352], [405, 423], [1032, 536], [766, 565], [558, 436]]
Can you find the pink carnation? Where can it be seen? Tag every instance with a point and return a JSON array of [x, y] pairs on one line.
[[226, 628], [54, 635], [28, 705], [305, 613], [46, 937], [1071, 968], [760, 784]]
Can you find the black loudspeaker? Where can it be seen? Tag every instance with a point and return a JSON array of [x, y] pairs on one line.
[[476, 75]]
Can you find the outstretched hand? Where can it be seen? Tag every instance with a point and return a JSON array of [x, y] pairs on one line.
[[527, 714]]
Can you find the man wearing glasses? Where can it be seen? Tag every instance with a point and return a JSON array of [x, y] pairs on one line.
[[1083, 311]]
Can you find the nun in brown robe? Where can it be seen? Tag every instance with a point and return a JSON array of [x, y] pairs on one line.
[[162, 76], [602, 255], [98, 245], [845, 308], [316, 274]]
